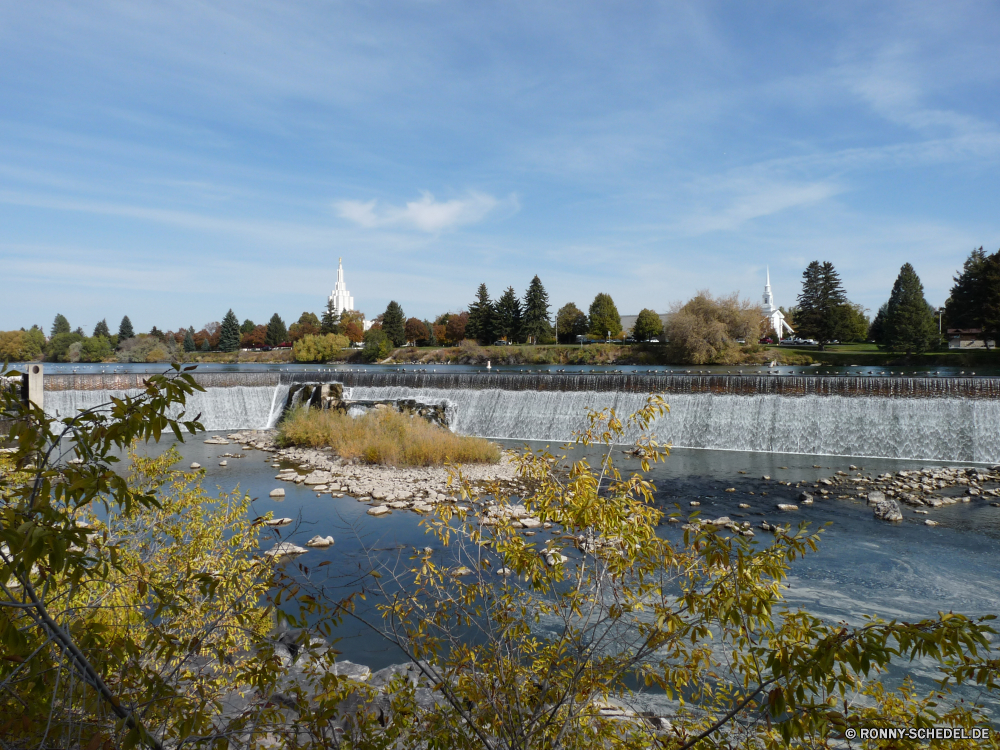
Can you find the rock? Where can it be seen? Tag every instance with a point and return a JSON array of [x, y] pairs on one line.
[[787, 506], [320, 541], [196, 465], [505, 572], [875, 497], [694, 503], [399, 505], [730, 489], [422, 508], [827, 482], [461, 570], [766, 478], [530, 523], [555, 558], [805, 496], [277, 523], [929, 522], [973, 492], [285, 549], [887, 510], [279, 492], [379, 510], [744, 505], [223, 463], [723, 521]]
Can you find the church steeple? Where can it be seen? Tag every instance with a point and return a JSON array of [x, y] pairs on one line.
[[341, 298]]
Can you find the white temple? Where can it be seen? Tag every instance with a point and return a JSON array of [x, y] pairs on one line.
[[775, 317], [341, 298]]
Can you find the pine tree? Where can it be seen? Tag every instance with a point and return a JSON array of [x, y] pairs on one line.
[[189, 345], [876, 332], [229, 338], [125, 330], [909, 321], [604, 317], [329, 322], [508, 316], [480, 324], [991, 298], [205, 345], [536, 312], [277, 333], [59, 325], [394, 323], [101, 329], [248, 326], [823, 308]]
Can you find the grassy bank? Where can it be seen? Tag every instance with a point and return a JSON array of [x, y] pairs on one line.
[[843, 355], [384, 437]]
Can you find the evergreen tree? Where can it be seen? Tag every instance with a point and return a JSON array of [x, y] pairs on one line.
[[604, 317], [329, 322], [647, 325], [571, 322], [229, 338], [823, 308], [189, 345], [59, 325], [79, 332], [248, 326], [125, 330], [964, 308], [876, 332], [205, 345], [536, 312], [909, 322], [991, 298], [276, 331], [508, 316], [394, 323], [480, 323], [432, 339], [101, 329]]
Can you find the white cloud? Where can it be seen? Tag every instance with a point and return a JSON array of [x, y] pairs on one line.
[[426, 214]]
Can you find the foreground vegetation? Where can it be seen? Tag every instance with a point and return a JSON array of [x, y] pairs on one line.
[[146, 624], [384, 436]]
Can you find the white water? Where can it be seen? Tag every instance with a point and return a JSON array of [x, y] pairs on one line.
[[241, 407], [953, 429]]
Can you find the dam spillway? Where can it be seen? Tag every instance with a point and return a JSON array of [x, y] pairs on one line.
[[943, 418]]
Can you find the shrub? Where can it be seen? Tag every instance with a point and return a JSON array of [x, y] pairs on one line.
[[705, 328], [312, 348], [385, 436], [377, 345]]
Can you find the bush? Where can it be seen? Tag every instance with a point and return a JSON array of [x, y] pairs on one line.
[[312, 348], [377, 345], [143, 348], [705, 328], [385, 436]]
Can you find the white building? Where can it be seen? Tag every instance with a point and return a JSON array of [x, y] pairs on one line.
[[341, 299], [775, 317]]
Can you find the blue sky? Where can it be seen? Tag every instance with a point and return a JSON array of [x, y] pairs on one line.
[[171, 160]]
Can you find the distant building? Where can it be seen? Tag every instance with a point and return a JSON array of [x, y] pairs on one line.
[[775, 317], [341, 299], [968, 338]]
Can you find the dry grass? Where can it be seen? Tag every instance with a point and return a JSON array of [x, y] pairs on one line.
[[384, 437]]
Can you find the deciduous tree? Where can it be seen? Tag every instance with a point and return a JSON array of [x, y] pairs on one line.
[[647, 325], [415, 331], [571, 322], [456, 329], [604, 317], [319, 348]]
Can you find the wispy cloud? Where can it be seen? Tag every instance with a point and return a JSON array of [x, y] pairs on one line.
[[426, 214]]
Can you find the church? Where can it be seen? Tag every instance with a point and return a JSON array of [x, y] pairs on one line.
[[340, 299], [776, 318]]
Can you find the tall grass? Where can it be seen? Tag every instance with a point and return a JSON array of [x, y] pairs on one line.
[[384, 437]]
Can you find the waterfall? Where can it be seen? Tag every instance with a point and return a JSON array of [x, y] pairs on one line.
[[947, 418], [235, 408], [955, 429]]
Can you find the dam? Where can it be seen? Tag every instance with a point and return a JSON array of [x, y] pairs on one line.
[[918, 417]]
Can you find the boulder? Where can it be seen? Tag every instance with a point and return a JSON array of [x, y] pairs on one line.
[[723, 521], [379, 510], [530, 523], [196, 465], [929, 522], [223, 463], [805, 496], [320, 541], [887, 510], [279, 492], [787, 506], [285, 549], [875, 497], [277, 523]]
